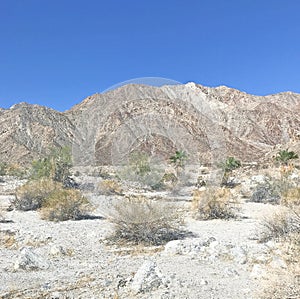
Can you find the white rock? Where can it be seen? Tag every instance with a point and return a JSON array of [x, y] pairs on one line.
[[56, 250], [173, 247], [258, 271], [29, 260], [278, 263], [147, 278], [203, 282], [188, 246], [239, 255], [229, 272], [259, 179]]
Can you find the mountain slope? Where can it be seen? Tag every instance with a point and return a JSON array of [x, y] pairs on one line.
[[105, 128]]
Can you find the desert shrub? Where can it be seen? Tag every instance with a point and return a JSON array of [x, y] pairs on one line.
[[138, 220], [168, 181], [139, 169], [282, 226], [283, 286], [214, 203], [139, 162], [285, 228], [3, 167], [268, 192], [65, 204], [109, 187], [32, 195], [230, 164], [178, 160], [291, 197], [12, 170]]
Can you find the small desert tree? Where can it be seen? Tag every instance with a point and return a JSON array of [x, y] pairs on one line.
[[178, 160], [228, 166], [55, 166]]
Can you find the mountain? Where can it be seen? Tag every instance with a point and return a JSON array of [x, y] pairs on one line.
[[208, 123]]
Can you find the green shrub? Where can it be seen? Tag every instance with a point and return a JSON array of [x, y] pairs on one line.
[[230, 164], [32, 195], [138, 220], [284, 156], [140, 164], [55, 166], [3, 168], [65, 204], [138, 169], [178, 159]]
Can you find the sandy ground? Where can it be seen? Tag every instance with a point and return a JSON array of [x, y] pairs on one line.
[[80, 264]]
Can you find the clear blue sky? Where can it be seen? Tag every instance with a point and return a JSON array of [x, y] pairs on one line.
[[57, 52]]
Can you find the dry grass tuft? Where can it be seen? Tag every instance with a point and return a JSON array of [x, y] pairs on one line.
[[138, 220], [109, 187], [291, 197], [65, 204], [284, 286], [282, 226], [214, 203], [32, 195], [285, 228]]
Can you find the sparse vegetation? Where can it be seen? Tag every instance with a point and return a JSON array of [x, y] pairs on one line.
[[140, 164], [285, 229], [284, 156], [65, 204], [55, 166], [282, 226], [178, 160], [214, 203], [268, 192], [3, 167], [33, 194], [139, 220], [291, 197], [55, 202], [12, 170], [138, 169], [228, 166], [109, 187]]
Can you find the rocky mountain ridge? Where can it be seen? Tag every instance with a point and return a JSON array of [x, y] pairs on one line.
[[104, 128]]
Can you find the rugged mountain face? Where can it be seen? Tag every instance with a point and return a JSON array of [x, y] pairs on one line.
[[29, 131], [209, 123]]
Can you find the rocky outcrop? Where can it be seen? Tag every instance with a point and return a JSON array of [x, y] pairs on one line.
[[29, 131], [206, 122]]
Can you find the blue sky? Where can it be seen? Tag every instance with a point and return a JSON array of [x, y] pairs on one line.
[[58, 52]]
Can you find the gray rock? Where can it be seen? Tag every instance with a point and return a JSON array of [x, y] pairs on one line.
[[29, 260], [147, 278]]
